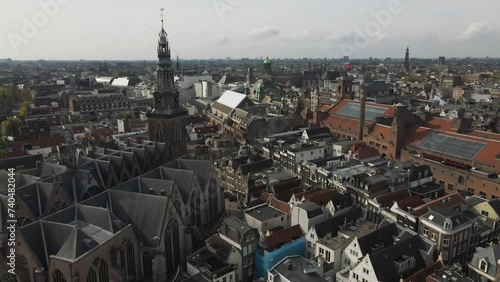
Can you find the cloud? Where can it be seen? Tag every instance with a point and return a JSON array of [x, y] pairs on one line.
[[336, 36], [223, 40], [477, 29], [265, 32]]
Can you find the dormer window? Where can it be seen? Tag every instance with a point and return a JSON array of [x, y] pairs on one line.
[[483, 265], [447, 225]]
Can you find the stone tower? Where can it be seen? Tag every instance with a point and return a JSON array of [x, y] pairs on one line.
[[407, 60], [167, 121]]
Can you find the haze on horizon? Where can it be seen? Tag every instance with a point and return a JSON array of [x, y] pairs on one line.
[[127, 30]]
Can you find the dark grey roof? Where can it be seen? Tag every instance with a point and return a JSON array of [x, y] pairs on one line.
[[495, 205], [264, 212], [233, 227], [29, 162], [312, 209], [352, 109], [256, 166], [382, 237], [491, 254], [450, 145], [441, 214], [383, 261], [318, 133], [331, 225]]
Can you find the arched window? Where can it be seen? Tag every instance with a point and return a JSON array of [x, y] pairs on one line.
[[59, 205], [172, 246], [147, 265], [178, 132], [23, 221], [127, 259], [159, 131], [8, 277], [461, 180], [195, 208], [98, 271], [212, 199], [178, 206], [91, 277], [58, 276]]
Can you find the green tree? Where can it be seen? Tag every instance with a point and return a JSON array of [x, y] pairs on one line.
[[11, 126]]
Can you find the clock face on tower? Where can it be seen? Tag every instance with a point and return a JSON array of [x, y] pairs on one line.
[[159, 100]]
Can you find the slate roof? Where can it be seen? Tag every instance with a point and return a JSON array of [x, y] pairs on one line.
[[313, 210], [383, 235], [331, 225], [491, 254], [441, 214], [383, 261]]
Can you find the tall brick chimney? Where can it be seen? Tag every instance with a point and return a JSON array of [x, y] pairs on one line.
[[362, 108]]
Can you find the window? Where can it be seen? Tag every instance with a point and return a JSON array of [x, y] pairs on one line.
[[461, 180], [483, 265], [426, 232], [451, 187], [485, 213], [58, 276], [482, 194], [433, 236], [447, 225], [446, 241], [328, 256]]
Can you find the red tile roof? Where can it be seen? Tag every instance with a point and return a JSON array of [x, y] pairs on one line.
[[452, 201], [322, 197], [283, 237], [388, 199], [421, 276], [411, 202], [282, 206], [46, 142], [487, 135], [441, 124]]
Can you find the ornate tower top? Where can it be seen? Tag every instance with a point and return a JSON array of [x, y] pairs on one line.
[[166, 95]]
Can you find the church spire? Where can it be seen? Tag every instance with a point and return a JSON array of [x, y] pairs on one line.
[[407, 60], [166, 94]]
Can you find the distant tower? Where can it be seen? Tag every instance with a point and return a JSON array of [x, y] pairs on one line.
[[309, 65], [362, 108], [250, 76], [407, 60], [260, 90], [325, 68], [268, 69], [442, 61], [178, 65]]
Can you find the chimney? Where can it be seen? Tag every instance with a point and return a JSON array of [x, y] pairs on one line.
[[362, 107]]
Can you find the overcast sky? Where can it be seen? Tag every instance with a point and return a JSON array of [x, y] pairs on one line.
[[127, 30]]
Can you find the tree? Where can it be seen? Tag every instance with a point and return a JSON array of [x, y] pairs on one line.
[[23, 112], [11, 126]]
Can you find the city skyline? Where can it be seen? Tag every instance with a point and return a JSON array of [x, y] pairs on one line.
[[69, 30]]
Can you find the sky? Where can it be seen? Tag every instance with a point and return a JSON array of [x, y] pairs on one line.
[[201, 29]]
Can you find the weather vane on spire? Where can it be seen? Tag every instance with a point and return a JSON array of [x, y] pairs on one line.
[[161, 10]]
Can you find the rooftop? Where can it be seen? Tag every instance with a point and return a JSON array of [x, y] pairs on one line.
[[264, 212], [346, 235], [296, 268]]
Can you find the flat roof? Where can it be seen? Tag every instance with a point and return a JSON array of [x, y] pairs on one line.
[[264, 212], [357, 230]]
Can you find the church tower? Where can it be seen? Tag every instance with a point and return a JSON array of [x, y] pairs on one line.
[[167, 121], [407, 60], [268, 68]]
